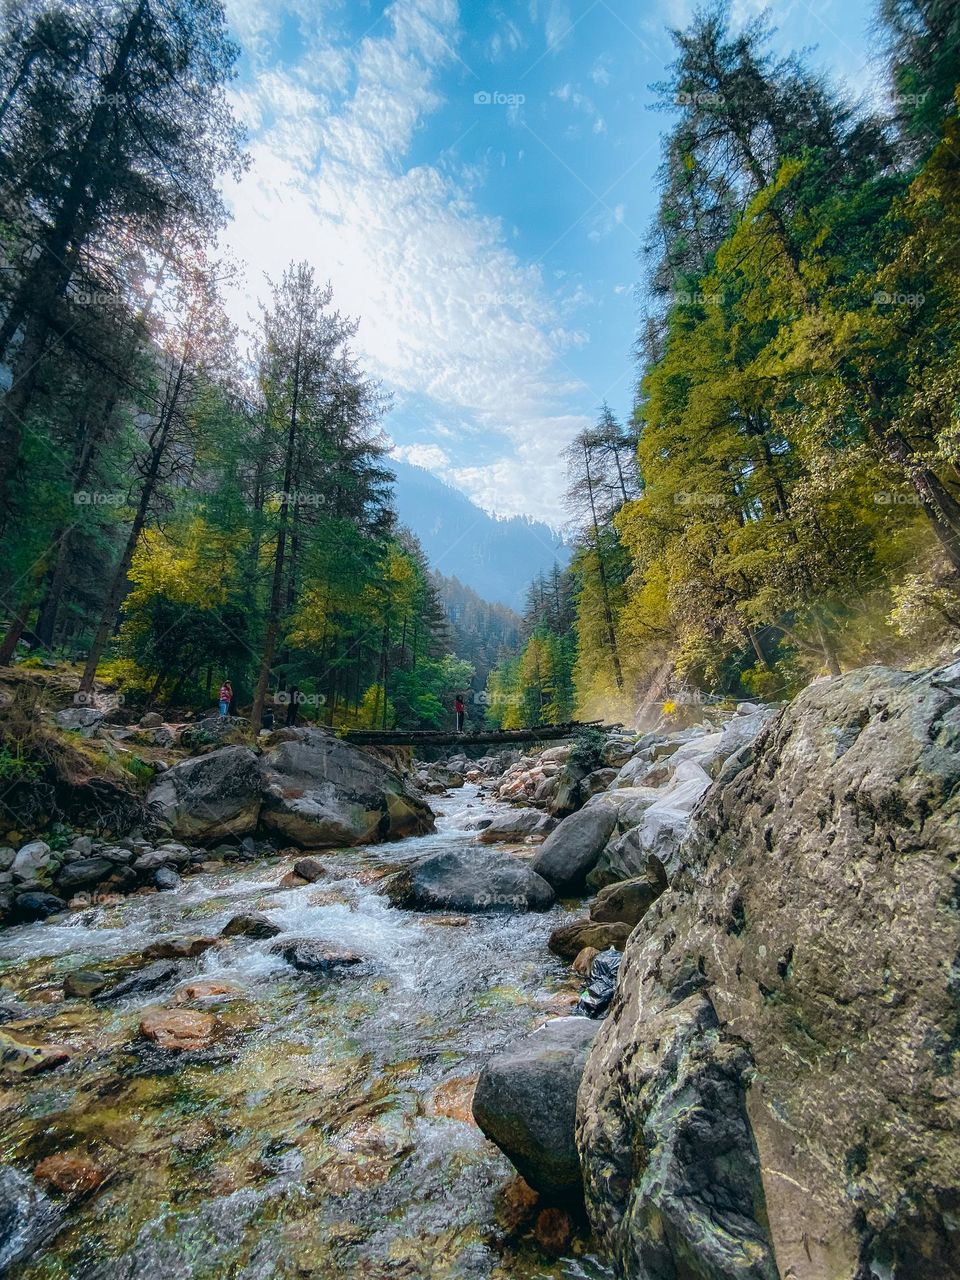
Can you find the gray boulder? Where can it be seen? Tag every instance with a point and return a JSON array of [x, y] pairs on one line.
[[210, 797], [32, 861], [82, 874], [83, 720], [7, 856], [321, 792], [166, 879], [570, 852], [630, 900], [469, 880], [774, 1092], [513, 826], [36, 906], [526, 1101]]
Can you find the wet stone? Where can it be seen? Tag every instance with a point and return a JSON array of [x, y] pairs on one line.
[[249, 924], [84, 983]]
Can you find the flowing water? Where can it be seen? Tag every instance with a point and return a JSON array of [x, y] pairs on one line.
[[326, 1131]]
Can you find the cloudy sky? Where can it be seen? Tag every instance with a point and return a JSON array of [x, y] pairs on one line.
[[475, 182]]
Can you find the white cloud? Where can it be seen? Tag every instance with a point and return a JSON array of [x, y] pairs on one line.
[[430, 456], [448, 312]]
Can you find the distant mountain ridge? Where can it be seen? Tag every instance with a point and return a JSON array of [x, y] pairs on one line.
[[497, 556]]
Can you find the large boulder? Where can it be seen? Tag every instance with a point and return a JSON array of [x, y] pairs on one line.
[[83, 720], [321, 792], [33, 862], [470, 880], [513, 826], [82, 874], [211, 796], [659, 832], [630, 900], [526, 1099], [570, 852], [774, 1092]]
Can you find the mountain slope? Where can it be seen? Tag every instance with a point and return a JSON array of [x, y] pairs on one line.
[[495, 556]]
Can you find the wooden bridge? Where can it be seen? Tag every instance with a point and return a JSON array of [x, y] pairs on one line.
[[449, 737]]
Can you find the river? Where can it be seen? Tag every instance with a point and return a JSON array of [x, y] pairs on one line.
[[326, 1131]]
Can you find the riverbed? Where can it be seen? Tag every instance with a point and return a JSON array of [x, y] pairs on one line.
[[326, 1131]]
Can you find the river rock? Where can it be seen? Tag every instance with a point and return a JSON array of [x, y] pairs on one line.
[[178, 948], [84, 983], [32, 861], [458, 880], [166, 879], [773, 1091], [178, 1029], [147, 979], [27, 1217], [20, 1059], [309, 869], [569, 940], [513, 826], [7, 856], [151, 720], [83, 874], [320, 792], [311, 955], [250, 924], [629, 901], [210, 797], [83, 720], [36, 906], [525, 1101], [570, 852]]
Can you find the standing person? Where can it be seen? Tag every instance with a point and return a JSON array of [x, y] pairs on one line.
[[226, 697], [460, 710]]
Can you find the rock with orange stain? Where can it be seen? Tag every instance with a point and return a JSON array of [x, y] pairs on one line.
[[291, 881], [205, 988], [515, 1204], [454, 1099], [552, 1231], [71, 1173], [584, 961], [178, 1028]]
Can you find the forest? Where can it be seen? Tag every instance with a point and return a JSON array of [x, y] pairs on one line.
[[785, 501], [183, 503]]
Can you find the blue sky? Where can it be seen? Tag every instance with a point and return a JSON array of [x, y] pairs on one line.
[[476, 181]]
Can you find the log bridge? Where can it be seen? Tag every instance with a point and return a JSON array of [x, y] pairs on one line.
[[449, 737]]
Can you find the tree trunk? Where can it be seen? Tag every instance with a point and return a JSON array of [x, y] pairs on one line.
[[108, 618], [602, 572]]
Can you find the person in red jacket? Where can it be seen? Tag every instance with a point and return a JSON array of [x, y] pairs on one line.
[[460, 710], [226, 697]]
